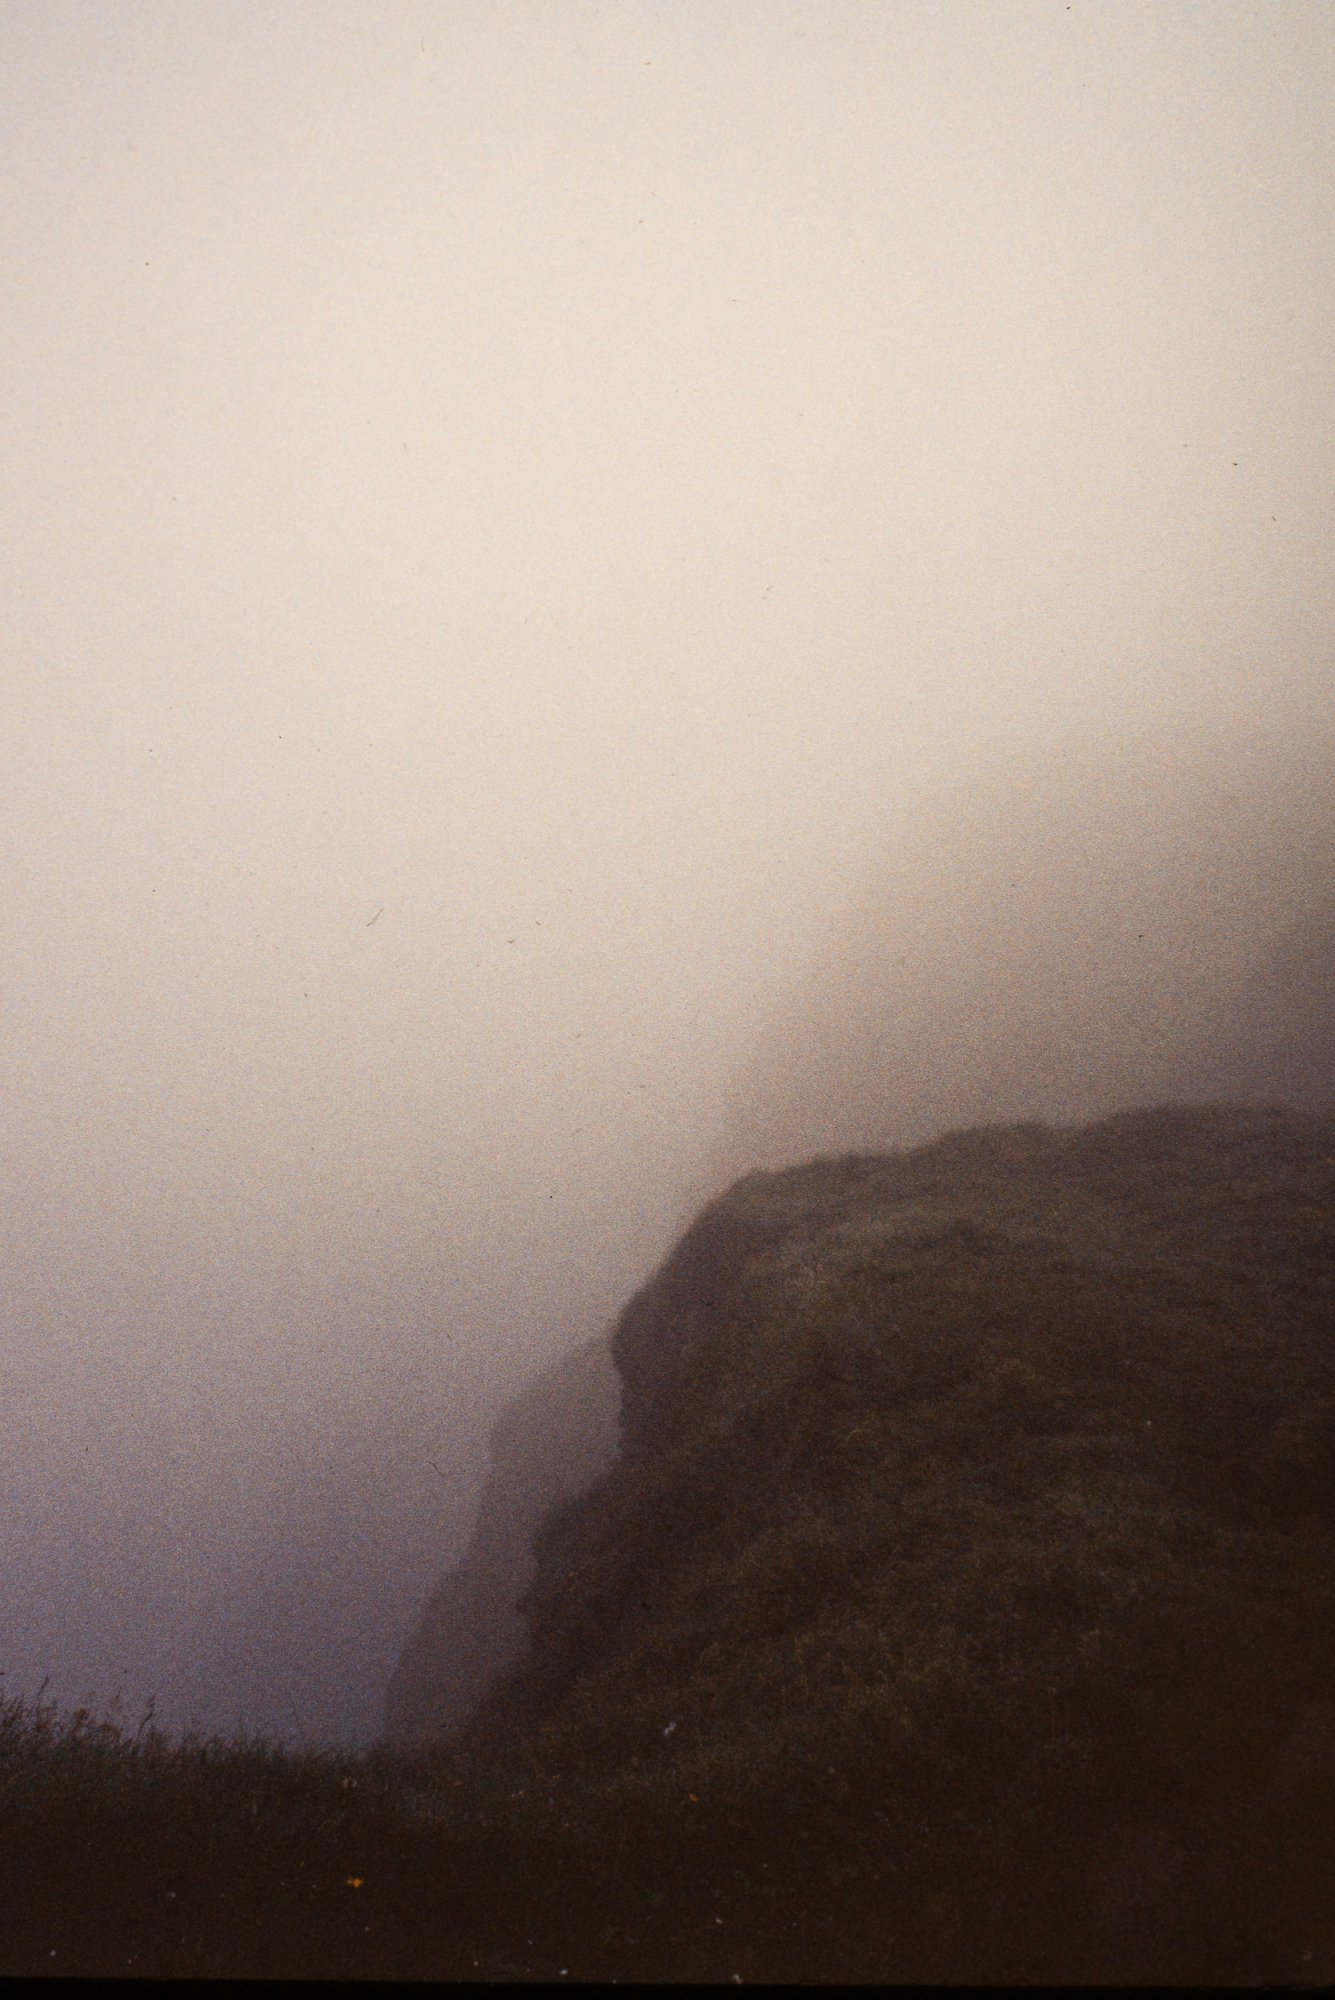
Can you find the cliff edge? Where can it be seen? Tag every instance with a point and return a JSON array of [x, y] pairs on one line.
[[969, 1564]]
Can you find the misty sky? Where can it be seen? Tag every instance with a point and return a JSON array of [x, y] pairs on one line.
[[502, 506]]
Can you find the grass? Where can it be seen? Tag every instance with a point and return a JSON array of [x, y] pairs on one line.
[[130, 1856]]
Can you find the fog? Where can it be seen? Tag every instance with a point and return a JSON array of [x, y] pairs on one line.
[[516, 519], [1145, 919]]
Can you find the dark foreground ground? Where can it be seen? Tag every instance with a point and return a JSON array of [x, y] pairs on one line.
[[241, 1863]]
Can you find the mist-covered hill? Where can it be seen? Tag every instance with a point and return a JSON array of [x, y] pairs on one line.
[[1073, 931], [549, 1443], [962, 1602]]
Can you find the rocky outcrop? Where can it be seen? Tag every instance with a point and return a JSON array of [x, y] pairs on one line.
[[548, 1444]]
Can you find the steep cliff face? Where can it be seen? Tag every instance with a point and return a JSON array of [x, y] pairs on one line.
[[974, 1534], [548, 1444]]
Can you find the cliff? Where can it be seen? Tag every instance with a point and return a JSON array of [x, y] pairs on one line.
[[969, 1566], [547, 1444]]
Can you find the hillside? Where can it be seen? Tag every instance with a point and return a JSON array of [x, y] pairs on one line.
[[965, 1585], [959, 1608]]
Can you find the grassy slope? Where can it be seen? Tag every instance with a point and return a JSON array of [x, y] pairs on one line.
[[962, 1608]]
